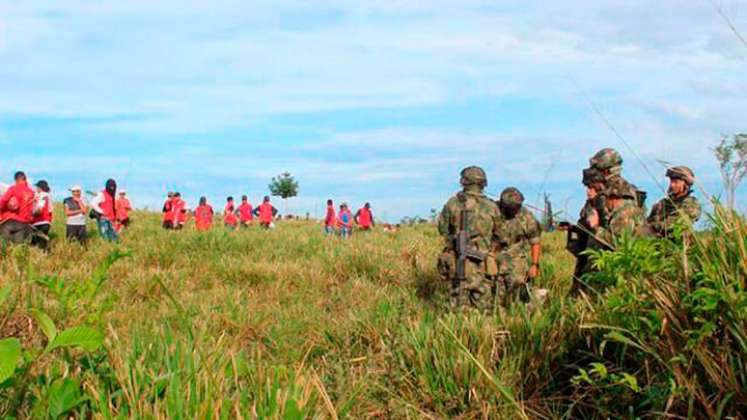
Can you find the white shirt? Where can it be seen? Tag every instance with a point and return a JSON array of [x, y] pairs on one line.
[[78, 219]]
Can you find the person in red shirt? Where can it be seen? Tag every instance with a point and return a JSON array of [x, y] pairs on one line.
[[204, 215], [266, 213], [179, 212], [168, 214], [364, 217], [42, 222], [246, 212], [330, 220], [123, 211], [229, 214], [105, 206], [17, 211], [345, 221]]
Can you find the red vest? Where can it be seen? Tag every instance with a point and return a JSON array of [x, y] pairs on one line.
[[204, 217], [18, 204], [123, 208], [265, 213], [245, 212], [343, 213], [168, 215], [331, 217], [364, 218], [45, 215], [108, 206], [180, 211], [228, 217]]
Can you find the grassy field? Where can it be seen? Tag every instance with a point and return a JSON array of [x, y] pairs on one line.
[[292, 324]]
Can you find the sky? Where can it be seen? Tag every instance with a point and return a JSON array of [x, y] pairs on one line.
[[371, 100]]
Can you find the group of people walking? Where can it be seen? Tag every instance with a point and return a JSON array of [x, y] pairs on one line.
[[176, 213], [492, 249], [341, 222], [26, 215]]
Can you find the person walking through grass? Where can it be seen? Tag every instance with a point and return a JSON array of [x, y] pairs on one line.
[[266, 213], [180, 211], [246, 212], [17, 211], [168, 214], [105, 208], [42, 222], [204, 215], [123, 211], [364, 217], [330, 220], [345, 221], [229, 214], [76, 211]]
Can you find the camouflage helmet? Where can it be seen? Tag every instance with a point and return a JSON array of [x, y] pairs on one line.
[[474, 175], [682, 172], [620, 188], [592, 176], [606, 158], [511, 196]]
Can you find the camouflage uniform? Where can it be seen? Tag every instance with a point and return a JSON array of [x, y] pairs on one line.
[[672, 210], [609, 162], [578, 236], [517, 231], [627, 217], [476, 290]]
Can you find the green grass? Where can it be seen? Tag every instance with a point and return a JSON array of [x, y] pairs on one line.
[[291, 324]]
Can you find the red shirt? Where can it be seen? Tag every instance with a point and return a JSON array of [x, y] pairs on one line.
[[179, 211], [18, 203], [265, 213], [123, 209], [330, 219], [45, 214], [204, 217], [168, 216], [107, 206], [228, 216], [245, 212], [364, 218]]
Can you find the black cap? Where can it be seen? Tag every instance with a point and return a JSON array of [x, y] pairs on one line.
[[43, 185]]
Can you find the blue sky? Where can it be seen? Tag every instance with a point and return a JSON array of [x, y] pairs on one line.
[[380, 101]]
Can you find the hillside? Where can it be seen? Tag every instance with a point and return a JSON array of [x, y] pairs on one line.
[[292, 324]]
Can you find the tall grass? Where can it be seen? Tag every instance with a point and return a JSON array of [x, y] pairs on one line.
[[291, 324]]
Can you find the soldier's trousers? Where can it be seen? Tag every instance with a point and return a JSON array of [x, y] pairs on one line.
[[15, 232], [474, 292]]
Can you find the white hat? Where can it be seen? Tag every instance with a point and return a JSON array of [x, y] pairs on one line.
[[123, 191], [76, 188]]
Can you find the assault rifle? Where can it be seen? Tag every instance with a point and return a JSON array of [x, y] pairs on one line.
[[463, 249]]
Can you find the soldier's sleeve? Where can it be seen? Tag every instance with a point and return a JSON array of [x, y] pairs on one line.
[[655, 219], [692, 209], [533, 229], [443, 221]]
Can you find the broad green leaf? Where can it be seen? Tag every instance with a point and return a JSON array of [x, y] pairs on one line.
[[631, 381], [84, 337], [10, 353], [45, 323], [600, 369], [64, 395]]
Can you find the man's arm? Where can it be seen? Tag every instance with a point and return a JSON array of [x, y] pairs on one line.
[[96, 203]]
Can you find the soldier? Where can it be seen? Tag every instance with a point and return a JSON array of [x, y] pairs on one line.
[[518, 239], [471, 217], [578, 236], [679, 206], [609, 163], [624, 216]]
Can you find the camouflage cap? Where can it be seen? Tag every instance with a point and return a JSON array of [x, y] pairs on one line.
[[511, 196], [592, 176], [619, 188], [606, 158], [474, 175], [682, 172]]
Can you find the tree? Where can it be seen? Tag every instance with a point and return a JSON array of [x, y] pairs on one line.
[[285, 187], [731, 154]]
